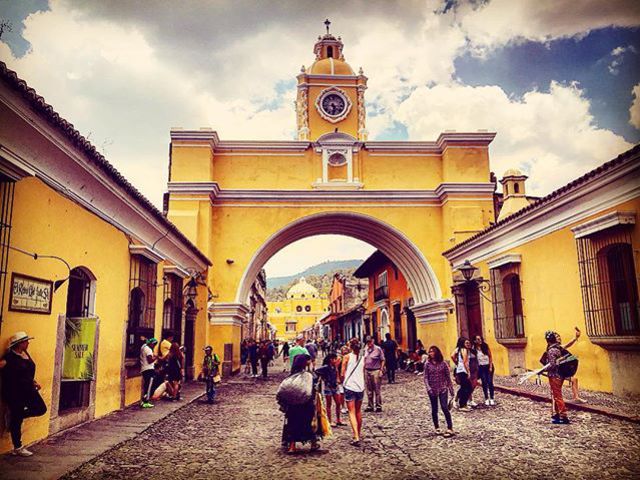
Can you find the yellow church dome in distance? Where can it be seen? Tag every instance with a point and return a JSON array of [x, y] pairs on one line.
[[302, 289]]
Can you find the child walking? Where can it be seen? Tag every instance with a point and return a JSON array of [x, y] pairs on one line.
[[211, 372]]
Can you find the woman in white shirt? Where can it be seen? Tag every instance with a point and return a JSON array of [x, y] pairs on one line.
[[354, 385], [485, 369], [460, 358]]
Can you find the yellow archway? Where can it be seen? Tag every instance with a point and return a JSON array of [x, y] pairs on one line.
[[393, 243]]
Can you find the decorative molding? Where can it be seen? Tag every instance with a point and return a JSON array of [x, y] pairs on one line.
[[617, 186], [631, 342], [519, 342], [146, 252], [206, 136], [194, 188], [176, 270], [340, 192], [13, 166], [604, 222], [261, 146], [329, 185], [505, 260], [227, 313], [435, 311]]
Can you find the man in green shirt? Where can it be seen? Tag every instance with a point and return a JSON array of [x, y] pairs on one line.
[[298, 349]]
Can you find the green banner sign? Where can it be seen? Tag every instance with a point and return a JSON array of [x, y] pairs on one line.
[[79, 342]]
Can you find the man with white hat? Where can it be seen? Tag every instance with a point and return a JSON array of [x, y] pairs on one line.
[[19, 389]]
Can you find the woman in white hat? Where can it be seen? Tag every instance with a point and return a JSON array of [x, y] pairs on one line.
[[20, 390]]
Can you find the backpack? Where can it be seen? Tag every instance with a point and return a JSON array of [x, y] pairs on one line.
[[566, 368], [296, 389]]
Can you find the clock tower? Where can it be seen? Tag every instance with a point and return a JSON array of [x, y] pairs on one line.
[[330, 95]]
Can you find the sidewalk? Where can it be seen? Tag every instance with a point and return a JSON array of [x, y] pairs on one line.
[[623, 408], [67, 450]]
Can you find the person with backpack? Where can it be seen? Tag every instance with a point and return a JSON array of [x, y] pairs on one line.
[[573, 380], [551, 358], [297, 398], [211, 372], [460, 358]]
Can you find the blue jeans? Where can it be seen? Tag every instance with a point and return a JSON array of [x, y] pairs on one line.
[[211, 389], [443, 398], [486, 376]]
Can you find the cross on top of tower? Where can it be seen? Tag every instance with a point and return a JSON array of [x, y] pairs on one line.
[[326, 24]]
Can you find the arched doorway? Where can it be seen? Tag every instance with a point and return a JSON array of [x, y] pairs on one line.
[[384, 324], [74, 391], [191, 313]]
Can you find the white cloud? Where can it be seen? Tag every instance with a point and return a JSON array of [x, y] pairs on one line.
[[552, 136], [124, 74], [634, 110], [499, 22]]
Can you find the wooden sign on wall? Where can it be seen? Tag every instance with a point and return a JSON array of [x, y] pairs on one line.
[[30, 294]]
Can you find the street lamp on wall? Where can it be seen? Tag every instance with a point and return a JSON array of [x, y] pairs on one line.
[[467, 270]]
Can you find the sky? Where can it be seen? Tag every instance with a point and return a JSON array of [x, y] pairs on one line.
[[558, 80]]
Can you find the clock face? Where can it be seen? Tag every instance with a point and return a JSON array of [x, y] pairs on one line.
[[333, 104]]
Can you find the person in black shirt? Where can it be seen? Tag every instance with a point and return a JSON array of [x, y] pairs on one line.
[[19, 389], [390, 348]]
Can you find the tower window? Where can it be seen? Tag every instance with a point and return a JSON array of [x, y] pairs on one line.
[[330, 52], [516, 188]]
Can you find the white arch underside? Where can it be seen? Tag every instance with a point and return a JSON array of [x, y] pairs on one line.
[[393, 243]]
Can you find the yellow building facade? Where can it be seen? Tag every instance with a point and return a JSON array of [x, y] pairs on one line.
[[242, 201], [303, 306], [567, 260], [79, 244]]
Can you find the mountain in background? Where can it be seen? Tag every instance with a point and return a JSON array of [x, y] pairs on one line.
[[320, 276], [320, 269]]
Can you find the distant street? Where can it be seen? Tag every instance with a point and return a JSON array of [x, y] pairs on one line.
[[239, 438]]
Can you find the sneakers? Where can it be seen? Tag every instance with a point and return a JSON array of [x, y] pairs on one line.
[[22, 452], [487, 402], [472, 403], [147, 405], [558, 420], [492, 402], [439, 431], [449, 433], [378, 409], [465, 409], [344, 411], [368, 409]]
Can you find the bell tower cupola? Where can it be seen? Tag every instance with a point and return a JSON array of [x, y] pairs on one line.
[[330, 94]]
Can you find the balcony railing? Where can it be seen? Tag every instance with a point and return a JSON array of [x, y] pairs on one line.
[[381, 293]]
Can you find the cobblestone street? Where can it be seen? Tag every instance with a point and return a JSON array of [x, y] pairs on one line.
[[238, 437]]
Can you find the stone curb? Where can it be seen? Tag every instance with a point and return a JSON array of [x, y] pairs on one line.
[[575, 406]]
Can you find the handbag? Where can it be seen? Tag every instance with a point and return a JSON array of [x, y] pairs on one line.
[[217, 379]]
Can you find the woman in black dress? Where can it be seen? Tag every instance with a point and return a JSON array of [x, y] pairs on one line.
[[19, 389], [300, 423], [174, 370]]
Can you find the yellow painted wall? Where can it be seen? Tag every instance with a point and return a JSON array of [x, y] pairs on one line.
[[319, 126], [49, 224], [552, 300]]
